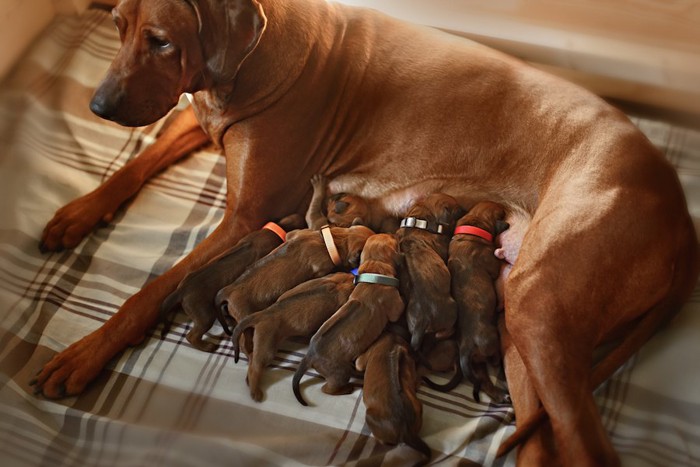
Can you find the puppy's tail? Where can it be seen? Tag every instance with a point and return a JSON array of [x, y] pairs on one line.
[[166, 306], [448, 386], [247, 322], [644, 328], [417, 443], [303, 366]]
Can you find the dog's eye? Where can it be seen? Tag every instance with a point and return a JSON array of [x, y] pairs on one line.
[[158, 43]]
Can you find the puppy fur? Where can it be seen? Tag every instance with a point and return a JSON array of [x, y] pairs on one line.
[[299, 312], [426, 279], [358, 323], [196, 292], [393, 412], [345, 209], [474, 270], [302, 257]]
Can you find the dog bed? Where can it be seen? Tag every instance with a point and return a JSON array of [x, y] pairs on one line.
[[164, 403]]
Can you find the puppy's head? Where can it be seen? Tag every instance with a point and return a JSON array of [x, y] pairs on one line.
[[168, 48], [487, 215], [382, 248], [439, 207], [345, 209], [356, 238]]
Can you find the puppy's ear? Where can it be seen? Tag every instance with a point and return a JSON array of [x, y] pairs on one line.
[[340, 207], [229, 30], [501, 226]]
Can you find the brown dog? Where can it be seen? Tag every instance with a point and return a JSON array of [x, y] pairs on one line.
[[344, 209], [375, 302], [303, 256], [393, 411], [426, 286], [298, 312], [474, 269], [394, 111], [196, 293]]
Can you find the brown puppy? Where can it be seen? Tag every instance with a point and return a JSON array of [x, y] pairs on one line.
[[474, 269], [344, 209], [424, 239], [393, 412], [196, 293], [352, 329], [298, 312], [401, 111], [304, 256]]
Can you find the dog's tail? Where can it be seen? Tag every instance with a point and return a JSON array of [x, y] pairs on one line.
[[417, 443], [646, 326], [303, 366], [246, 323]]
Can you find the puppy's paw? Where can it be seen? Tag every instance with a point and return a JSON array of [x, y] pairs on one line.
[[319, 181]]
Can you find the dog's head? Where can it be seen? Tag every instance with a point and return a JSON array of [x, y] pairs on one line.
[[171, 47]]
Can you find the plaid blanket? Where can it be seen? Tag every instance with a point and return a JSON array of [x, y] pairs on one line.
[[164, 403]]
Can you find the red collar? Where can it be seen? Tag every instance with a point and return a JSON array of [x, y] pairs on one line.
[[276, 229], [471, 230]]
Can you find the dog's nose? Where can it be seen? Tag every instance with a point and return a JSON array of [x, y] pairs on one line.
[[101, 106]]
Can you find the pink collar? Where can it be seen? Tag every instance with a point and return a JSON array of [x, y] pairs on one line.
[[471, 230]]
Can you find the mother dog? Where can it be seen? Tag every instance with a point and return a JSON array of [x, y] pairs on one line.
[[390, 112]]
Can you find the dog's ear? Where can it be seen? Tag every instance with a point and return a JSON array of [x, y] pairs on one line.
[[230, 30]]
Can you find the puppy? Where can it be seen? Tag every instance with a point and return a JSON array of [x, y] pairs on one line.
[[307, 254], [424, 238], [373, 303], [299, 312], [393, 412], [474, 270], [196, 292], [344, 209]]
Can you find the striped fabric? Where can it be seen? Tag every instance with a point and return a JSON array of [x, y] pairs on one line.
[[165, 403]]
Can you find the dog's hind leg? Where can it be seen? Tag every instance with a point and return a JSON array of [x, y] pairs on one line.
[[538, 448], [77, 219]]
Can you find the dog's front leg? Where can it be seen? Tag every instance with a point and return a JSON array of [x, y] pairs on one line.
[[77, 219], [72, 369]]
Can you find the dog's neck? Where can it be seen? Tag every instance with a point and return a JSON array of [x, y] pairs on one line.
[[290, 43]]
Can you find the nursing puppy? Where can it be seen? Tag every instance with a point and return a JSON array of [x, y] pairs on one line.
[[344, 209], [298, 312], [393, 412], [196, 292], [305, 255], [474, 269], [424, 240], [373, 303]]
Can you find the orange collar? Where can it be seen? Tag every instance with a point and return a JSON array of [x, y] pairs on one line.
[[330, 244], [276, 229], [476, 231]]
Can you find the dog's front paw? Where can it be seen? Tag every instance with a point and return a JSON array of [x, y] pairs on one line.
[[69, 372], [74, 221]]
